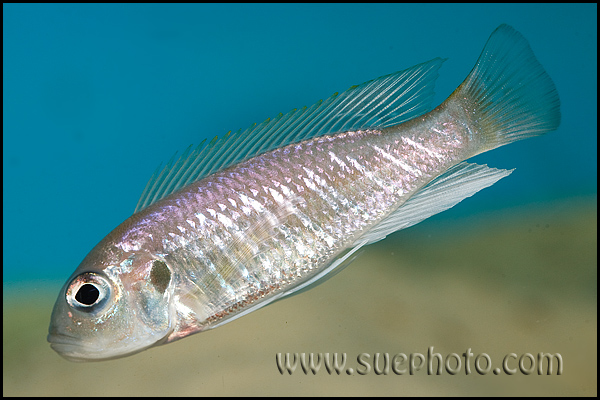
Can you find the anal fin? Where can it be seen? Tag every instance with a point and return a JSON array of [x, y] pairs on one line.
[[459, 182]]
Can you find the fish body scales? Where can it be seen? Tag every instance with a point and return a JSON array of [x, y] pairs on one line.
[[242, 235], [257, 215]]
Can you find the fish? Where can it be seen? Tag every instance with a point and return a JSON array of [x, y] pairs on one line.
[[258, 215]]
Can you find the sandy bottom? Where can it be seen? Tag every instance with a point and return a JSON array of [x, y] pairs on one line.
[[517, 281]]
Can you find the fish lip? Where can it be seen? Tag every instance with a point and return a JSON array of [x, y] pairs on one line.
[[60, 338], [66, 351], [68, 347], [63, 343], [73, 352], [76, 352]]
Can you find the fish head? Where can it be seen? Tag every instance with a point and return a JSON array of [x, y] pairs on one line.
[[115, 304]]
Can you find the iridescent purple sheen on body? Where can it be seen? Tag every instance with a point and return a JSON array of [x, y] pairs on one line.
[[258, 215], [247, 232]]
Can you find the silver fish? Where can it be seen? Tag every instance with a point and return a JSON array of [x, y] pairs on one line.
[[242, 221]]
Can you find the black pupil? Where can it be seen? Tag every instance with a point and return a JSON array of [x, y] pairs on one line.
[[87, 294]]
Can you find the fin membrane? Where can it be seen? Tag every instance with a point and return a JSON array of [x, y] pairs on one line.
[[508, 91], [459, 182], [382, 102]]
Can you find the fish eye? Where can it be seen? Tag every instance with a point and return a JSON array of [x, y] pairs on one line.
[[88, 292]]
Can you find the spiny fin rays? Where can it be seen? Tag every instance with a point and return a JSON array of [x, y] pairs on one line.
[[379, 103]]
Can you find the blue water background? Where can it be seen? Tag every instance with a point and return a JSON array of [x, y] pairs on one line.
[[95, 97]]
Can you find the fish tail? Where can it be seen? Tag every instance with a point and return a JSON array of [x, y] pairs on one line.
[[508, 94]]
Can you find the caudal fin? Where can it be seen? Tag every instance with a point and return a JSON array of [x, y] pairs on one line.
[[508, 93]]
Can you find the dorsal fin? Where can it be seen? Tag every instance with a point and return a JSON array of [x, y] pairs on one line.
[[382, 102]]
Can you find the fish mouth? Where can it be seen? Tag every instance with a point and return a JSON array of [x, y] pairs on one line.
[[68, 347], [61, 339], [72, 349]]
